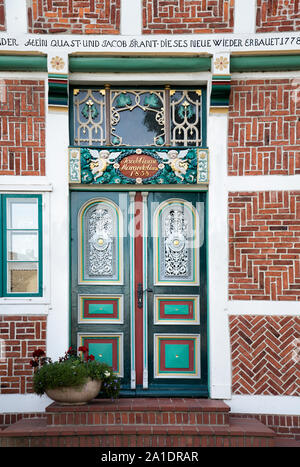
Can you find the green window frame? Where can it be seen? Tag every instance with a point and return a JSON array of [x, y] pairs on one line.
[[21, 245]]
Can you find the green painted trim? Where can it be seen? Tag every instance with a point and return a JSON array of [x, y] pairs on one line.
[[206, 239], [264, 63], [40, 247], [70, 275], [220, 91], [138, 64], [58, 88], [23, 63], [57, 76]]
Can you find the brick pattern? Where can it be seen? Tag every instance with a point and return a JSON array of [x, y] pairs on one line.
[[74, 16], [264, 127], [277, 15], [22, 127], [141, 412], [264, 245], [187, 16], [20, 336], [9, 418], [2, 16], [265, 360]]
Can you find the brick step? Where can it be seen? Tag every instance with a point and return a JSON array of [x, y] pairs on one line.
[[141, 411], [281, 442], [239, 433]]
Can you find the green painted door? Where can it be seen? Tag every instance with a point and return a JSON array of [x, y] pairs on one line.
[[100, 317], [176, 294], [138, 288]]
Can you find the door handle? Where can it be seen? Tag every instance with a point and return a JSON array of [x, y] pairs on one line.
[[140, 294]]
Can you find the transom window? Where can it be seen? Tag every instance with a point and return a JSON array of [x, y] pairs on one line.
[[137, 117]]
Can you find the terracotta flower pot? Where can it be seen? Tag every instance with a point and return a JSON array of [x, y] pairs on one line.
[[75, 395]]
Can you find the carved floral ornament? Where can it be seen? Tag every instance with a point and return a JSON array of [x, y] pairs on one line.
[[221, 63], [57, 63], [138, 166]]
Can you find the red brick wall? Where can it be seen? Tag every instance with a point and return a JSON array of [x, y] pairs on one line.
[[22, 127], [20, 335], [187, 16], [2, 16], [277, 15], [74, 16], [264, 355], [264, 127], [264, 245]]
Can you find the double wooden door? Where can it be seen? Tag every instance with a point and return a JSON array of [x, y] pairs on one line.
[[138, 288]]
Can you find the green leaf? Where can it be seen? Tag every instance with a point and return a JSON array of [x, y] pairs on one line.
[[151, 100], [123, 100]]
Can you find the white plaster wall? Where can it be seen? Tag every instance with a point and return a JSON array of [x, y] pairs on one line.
[[131, 17], [218, 330], [16, 16], [57, 141], [244, 16]]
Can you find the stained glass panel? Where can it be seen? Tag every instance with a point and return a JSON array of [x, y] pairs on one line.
[[89, 117], [137, 118], [186, 118]]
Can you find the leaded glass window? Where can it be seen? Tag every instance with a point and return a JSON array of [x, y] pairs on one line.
[[137, 117]]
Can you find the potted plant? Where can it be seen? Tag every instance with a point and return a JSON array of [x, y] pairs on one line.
[[75, 378]]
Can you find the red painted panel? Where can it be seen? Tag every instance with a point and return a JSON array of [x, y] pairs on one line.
[[138, 245], [162, 314], [86, 313]]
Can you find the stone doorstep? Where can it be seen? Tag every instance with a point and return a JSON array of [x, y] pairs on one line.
[[236, 428], [144, 404], [140, 411], [281, 442]]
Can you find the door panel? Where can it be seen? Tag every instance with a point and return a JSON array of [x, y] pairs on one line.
[[138, 267], [100, 278], [177, 294]]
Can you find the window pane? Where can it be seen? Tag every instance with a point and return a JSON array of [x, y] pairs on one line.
[[137, 118], [186, 118], [22, 246], [89, 117], [22, 277], [22, 213]]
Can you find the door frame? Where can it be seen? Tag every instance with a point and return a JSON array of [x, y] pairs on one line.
[[146, 188]]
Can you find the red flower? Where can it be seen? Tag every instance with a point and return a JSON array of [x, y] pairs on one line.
[[91, 357], [83, 349]]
